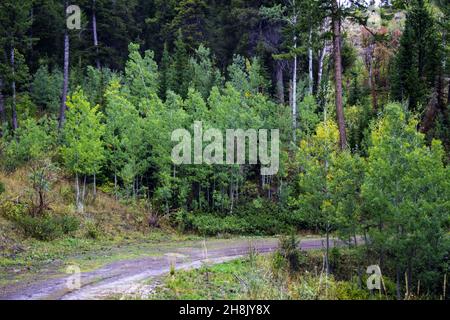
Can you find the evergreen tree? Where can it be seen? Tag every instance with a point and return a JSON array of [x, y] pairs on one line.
[[14, 23], [178, 74], [190, 19], [419, 58], [46, 88], [164, 67]]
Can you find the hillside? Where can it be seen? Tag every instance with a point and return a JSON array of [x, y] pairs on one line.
[[134, 125]]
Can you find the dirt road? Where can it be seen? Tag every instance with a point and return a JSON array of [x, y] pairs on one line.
[[133, 277]]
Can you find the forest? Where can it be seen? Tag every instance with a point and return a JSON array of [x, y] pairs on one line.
[[358, 89]]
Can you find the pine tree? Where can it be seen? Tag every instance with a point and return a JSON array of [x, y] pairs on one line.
[[419, 58], [190, 19], [164, 69], [178, 75], [14, 23]]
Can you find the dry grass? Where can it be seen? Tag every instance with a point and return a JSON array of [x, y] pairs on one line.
[[110, 216]]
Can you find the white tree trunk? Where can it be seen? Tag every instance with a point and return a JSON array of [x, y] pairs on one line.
[[322, 56], [115, 185], [294, 94], [62, 109], [78, 200], [13, 87], [310, 58], [95, 186], [94, 32]]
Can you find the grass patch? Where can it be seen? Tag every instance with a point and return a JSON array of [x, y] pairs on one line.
[[258, 278], [216, 282], [88, 254]]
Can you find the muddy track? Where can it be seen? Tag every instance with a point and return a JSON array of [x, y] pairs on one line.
[[133, 277]]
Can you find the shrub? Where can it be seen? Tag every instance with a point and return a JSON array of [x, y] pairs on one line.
[[67, 194], [44, 228], [69, 224], [290, 251], [93, 230], [349, 290], [258, 217], [32, 140], [213, 224], [11, 210], [42, 176], [107, 188], [2, 187], [182, 220]]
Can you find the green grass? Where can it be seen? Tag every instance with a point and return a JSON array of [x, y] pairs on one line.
[[216, 282], [88, 254], [256, 278]]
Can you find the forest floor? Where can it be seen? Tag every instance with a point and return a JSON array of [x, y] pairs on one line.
[[130, 270]]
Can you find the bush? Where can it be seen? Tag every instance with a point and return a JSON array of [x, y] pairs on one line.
[[32, 140], [212, 224], [69, 224], [42, 228], [93, 230], [182, 220], [2, 187], [46, 227], [11, 210], [67, 194], [349, 290], [290, 251], [259, 217]]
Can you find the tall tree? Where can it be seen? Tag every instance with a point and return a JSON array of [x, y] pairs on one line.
[[406, 191], [289, 15], [2, 108], [190, 19], [336, 18], [95, 35], [178, 75], [83, 150], [418, 61], [15, 20], [65, 87], [164, 69], [338, 11]]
